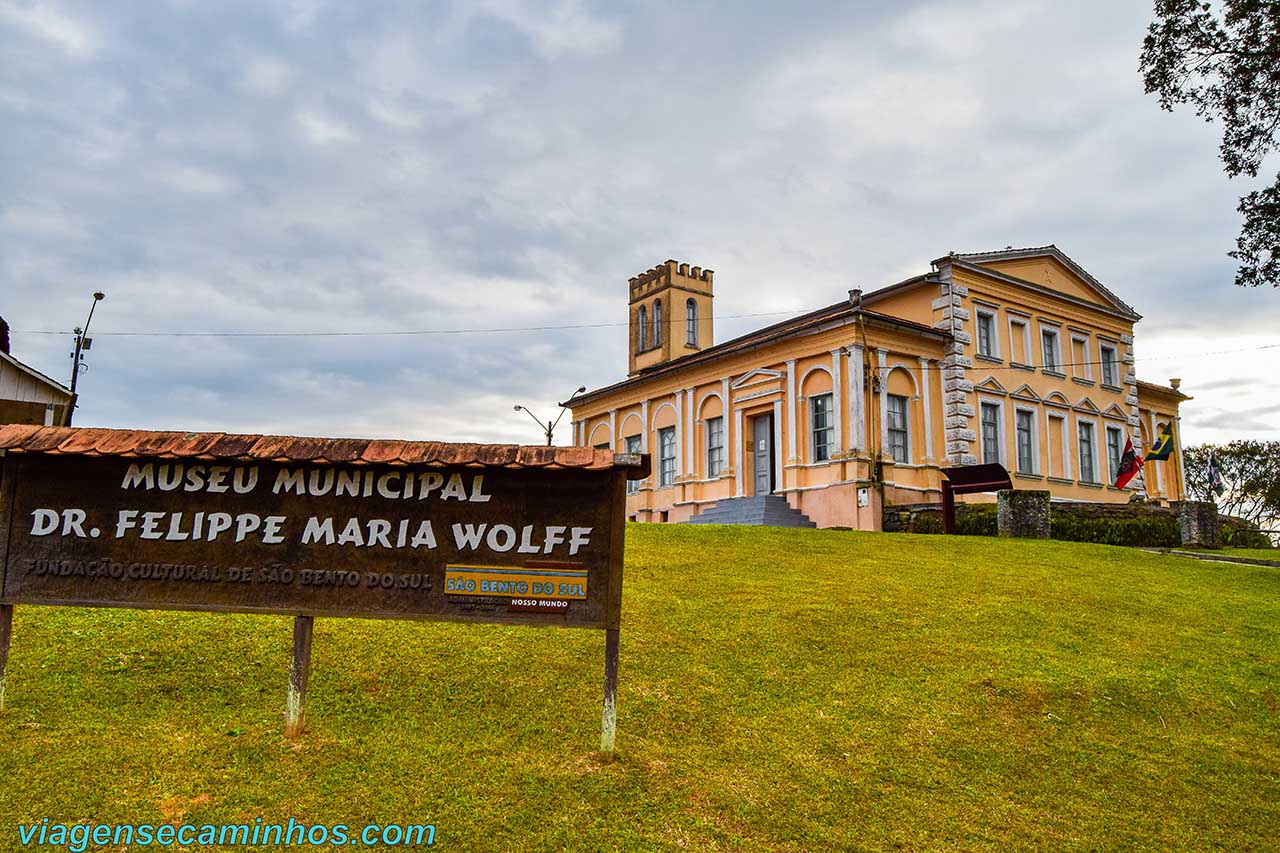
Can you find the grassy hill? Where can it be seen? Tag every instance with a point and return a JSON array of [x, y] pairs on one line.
[[780, 690]]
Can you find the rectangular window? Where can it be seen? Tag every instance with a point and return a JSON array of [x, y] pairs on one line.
[[1049, 340], [666, 457], [987, 335], [990, 433], [898, 446], [824, 434], [715, 446], [1059, 460], [1088, 471], [1115, 450], [1025, 423], [633, 446], [1109, 370], [1018, 342]]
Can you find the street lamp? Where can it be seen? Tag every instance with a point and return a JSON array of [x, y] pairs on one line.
[[83, 342], [549, 427]]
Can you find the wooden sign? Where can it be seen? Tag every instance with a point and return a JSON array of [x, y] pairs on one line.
[[386, 530]]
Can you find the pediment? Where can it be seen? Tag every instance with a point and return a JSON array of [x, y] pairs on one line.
[[1056, 398], [1025, 392], [991, 386], [1114, 411], [756, 377], [1086, 405]]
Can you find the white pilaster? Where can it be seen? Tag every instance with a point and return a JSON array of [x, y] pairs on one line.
[[777, 443], [691, 420], [1155, 436], [644, 426], [926, 393], [48, 414], [881, 359], [836, 420], [613, 429], [857, 417], [737, 453], [792, 422], [679, 434]]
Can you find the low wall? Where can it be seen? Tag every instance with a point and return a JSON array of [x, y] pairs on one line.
[[1134, 523]]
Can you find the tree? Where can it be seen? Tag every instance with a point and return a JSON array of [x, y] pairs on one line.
[[1228, 67], [1250, 471]]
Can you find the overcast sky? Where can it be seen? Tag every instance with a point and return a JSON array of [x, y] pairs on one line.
[[303, 166]]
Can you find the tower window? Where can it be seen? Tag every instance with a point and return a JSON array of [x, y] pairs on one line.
[[642, 329], [657, 324], [691, 322]]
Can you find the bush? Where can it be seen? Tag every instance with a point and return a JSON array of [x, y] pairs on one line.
[[977, 520], [1144, 531], [1242, 537]]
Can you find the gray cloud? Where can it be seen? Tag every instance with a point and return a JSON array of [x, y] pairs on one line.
[[311, 166]]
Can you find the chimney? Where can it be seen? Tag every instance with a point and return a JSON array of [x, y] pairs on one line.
[[4, 336]]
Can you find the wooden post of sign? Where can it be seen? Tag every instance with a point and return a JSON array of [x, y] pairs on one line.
[[295, 709], [6, 630], [609, 719]]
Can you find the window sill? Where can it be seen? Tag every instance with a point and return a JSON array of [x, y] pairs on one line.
[[1089, 484], [1021, 475], [992, 359], [653, 348], [1062, 481], [1027, 367], [1116, 388], [1079, 381], [1047, 372]]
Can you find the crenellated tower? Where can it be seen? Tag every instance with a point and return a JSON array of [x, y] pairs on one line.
[[670, 314]]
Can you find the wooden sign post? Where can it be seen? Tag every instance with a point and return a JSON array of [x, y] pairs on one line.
[[315, 528]]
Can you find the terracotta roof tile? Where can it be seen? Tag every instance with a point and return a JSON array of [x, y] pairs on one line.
[[19, 438]]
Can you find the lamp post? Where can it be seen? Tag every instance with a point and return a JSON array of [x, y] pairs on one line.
[[549, 427], [83, 342]]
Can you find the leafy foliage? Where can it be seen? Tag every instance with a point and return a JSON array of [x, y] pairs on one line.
[[1228, 68]]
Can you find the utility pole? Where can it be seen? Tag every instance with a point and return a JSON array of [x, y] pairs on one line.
[[549, 428], [83, 342]]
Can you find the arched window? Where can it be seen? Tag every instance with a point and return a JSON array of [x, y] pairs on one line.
[[691, 322], [642, 328], [657, 323]]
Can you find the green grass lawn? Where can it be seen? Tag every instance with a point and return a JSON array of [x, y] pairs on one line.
[[779, 690], [1252, 553]]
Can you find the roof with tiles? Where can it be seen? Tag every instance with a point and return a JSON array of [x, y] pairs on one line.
[[221, 446]]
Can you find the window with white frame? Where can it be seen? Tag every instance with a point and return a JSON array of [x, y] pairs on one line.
[[990, 418], [691, 322], [821, 426], [1086, 441], [657, 323], [642, 329], [1080, 366], [1115, 451], [1025, 429], [666, 457], [1051, 354], [633, 446], [988, 344], [715, 446], [1110, 367], [899, 446]]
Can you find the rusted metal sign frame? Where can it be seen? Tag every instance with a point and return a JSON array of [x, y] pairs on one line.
[[626, 466]]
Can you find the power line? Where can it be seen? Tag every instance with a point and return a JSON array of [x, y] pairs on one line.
[[384, 333]]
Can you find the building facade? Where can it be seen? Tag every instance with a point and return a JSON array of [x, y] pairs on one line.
[[1017, 356]]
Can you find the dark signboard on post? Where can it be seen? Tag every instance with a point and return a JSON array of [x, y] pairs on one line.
[[314, 527]]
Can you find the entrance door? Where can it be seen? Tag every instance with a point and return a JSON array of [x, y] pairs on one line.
[[762, 455]]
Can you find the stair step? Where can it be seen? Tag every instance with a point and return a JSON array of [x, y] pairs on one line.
[[755, 510]]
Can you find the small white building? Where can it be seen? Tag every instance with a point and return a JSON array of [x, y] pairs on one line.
[[27, 396]]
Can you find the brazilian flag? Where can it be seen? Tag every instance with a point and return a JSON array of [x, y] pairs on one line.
[[1163, 447]]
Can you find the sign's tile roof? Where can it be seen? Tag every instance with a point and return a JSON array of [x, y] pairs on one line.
[[211, 446]]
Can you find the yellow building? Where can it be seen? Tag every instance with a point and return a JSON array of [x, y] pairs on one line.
[[1016, 356]]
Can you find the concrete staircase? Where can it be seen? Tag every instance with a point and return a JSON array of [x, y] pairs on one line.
[[758, 510]]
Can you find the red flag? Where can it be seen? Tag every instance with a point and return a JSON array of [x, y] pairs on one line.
[[1130, 465]]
